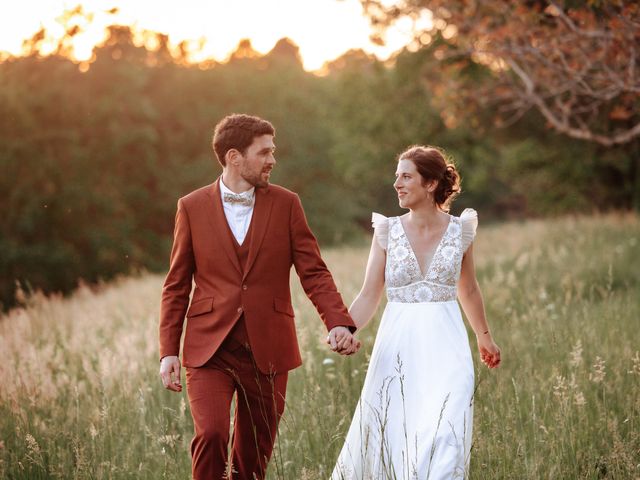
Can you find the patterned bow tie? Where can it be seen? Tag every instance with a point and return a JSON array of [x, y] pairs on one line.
[[238, 198]]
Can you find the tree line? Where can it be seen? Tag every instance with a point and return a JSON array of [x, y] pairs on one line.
[[94, 161]]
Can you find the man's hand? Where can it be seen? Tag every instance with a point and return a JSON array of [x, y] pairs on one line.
[[170, 373], [341, 340]]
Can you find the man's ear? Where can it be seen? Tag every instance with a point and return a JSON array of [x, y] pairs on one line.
[[232, 157]]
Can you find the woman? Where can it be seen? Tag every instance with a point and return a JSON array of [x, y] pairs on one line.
[[414, 417]]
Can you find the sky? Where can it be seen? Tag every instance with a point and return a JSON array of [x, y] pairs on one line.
[[323, 29]]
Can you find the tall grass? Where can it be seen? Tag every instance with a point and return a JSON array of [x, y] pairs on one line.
[[80, 395]]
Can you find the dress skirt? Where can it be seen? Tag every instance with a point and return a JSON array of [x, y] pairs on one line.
[[414, 417]]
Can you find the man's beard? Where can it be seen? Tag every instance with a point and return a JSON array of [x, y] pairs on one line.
[[255, 179]]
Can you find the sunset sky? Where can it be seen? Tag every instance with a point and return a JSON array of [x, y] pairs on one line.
[[323, 29]]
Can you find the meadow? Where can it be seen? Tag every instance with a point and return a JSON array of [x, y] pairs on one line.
[[80, 395]]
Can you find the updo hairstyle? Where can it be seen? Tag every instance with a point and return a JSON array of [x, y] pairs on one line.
[[432, 163]]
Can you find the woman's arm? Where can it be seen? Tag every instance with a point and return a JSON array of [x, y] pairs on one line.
[[471, 300], [366, 303]]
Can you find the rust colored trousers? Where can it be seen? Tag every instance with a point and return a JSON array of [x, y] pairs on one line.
[[260, 400]]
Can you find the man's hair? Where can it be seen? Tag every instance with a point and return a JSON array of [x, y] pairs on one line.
[[237, 131]]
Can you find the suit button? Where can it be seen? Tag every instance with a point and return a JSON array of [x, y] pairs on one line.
[[239, 309], [244, 287]]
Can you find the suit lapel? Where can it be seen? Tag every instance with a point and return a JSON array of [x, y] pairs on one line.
[[218, 222], [260, 220]]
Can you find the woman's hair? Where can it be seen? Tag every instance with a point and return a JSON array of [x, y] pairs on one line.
[[432, 163]]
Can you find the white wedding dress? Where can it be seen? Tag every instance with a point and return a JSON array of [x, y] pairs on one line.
[[414, 417]]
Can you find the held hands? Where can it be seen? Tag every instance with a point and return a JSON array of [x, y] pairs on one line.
[[489, 351], [341, 340], [170, 373]]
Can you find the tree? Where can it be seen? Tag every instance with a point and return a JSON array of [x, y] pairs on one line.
[[575, 62]]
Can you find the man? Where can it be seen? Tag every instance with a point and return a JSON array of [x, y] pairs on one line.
[[237, 240]]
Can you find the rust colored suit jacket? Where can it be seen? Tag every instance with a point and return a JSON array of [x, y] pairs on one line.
[[203, 252]]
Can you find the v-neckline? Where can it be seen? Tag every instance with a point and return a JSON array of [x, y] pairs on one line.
[[424, 274]]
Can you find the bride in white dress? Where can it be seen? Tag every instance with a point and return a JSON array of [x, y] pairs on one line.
[[414, 417]]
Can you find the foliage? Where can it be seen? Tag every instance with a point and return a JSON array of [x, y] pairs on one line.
[[94, 156], [574, 62]]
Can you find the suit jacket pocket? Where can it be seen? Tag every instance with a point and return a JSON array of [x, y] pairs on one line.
[[204, 305], [283, 306]]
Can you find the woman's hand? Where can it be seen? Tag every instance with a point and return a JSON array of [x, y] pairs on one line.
[[489, 351]]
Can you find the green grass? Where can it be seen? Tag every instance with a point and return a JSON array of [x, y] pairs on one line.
[[80, 395]]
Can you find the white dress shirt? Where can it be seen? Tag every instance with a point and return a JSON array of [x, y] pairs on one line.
[[238, 215]]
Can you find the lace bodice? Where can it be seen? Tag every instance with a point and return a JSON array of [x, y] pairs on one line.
[[405, 281]]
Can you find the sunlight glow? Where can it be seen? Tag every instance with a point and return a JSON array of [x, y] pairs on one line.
[[323, 29]]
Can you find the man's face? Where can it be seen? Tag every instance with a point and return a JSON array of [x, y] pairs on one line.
[[258, 161]]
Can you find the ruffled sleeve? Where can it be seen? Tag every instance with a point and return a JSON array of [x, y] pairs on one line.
[[380, 229], [469, 218]]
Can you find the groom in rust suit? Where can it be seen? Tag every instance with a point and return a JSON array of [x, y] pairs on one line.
[[236, 241]]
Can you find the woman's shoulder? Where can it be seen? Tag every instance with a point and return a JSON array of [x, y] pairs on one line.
[[380, 225], [468, 214], [378, 219], [469, 221]]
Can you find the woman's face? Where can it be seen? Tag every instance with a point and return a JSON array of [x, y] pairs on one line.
[[412, 191]]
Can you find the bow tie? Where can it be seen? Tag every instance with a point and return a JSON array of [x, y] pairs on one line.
[[238, 198]]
